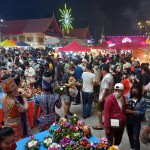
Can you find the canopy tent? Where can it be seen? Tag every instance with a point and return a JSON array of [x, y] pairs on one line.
[[7, 43], [71, 39], [103, 45], [12, 41], [74, 47], [128, 46], [20, 43], [51, 40]]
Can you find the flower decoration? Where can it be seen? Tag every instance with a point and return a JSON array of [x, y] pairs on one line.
[[84, 142], [73, 120], [47, 141], [76, 135], [86, 131], [54, 127], [33, 144], [60, 90], [57, 135], [103, 143], [54, 146], [113, 147], [80, 124], [66, 141]]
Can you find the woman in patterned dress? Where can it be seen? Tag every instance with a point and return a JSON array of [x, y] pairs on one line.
[[24, 116], [11, 107], [47, 102]]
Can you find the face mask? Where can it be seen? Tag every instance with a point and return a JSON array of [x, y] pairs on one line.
[[132, 77], [110, 71], [117, 95], [96, 67], [134, 95]]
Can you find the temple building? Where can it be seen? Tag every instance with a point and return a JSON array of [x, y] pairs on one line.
[[31, 31]]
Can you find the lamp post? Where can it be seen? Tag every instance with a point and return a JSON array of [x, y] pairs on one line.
[[1, 21]]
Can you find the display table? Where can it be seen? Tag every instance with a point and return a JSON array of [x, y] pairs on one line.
[[30, 112], [40, 136]]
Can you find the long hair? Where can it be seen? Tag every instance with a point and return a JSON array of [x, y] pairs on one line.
[[137, 87]]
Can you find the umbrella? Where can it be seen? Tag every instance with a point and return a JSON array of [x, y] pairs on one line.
[[128, 46], [7, 43], [74, 47], [20, 43]]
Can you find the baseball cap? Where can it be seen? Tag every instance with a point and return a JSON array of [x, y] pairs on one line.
[[119, 86]]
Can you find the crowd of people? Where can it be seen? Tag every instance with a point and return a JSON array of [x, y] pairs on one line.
[[118, 84]]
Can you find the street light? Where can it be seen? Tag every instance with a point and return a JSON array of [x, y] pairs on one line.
[[1, 21]]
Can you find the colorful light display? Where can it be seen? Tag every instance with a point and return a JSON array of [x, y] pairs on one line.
[[66, 19], [144, 27]]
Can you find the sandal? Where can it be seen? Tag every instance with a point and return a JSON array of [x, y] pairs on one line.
[[97, 127]]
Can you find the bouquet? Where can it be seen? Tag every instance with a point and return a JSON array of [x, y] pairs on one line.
[[86, 131], [33, 144], [47, 141], [54, 146], [57, 135], [80, 124], [54, 127], [60, 90], [73, 120], [65, 141]]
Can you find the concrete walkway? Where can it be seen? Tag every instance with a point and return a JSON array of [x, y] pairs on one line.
[[77, 109]]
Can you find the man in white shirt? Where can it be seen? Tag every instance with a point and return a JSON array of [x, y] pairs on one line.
[[127, 64], [106, 88], [87, 91], [29, 73]]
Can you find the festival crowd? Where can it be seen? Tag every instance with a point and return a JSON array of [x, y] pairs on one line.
[[117, 83]]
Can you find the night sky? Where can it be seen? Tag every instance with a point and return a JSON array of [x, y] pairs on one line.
[[118, 17]]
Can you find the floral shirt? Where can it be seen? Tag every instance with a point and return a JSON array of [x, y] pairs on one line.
[[47, 102]]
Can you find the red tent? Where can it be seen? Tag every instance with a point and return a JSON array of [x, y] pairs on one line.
[[74, 47], [103, 45], [128, 46]]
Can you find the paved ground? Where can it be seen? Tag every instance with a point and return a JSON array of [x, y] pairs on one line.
[[77, 109]]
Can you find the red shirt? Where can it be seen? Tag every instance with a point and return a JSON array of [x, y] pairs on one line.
[[113, 111]]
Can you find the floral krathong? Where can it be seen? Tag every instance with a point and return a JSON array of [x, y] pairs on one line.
[[70, 136], [60, 90]]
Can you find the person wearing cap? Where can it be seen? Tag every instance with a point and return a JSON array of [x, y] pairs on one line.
[[12, 109], [114, 115], [47, 102]]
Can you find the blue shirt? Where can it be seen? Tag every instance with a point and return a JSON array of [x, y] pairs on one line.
[[78, 73]]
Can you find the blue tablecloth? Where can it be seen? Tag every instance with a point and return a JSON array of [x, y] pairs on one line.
[[0, 99], [40, 136]]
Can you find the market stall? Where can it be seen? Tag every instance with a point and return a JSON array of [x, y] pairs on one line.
[[74, 47]]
